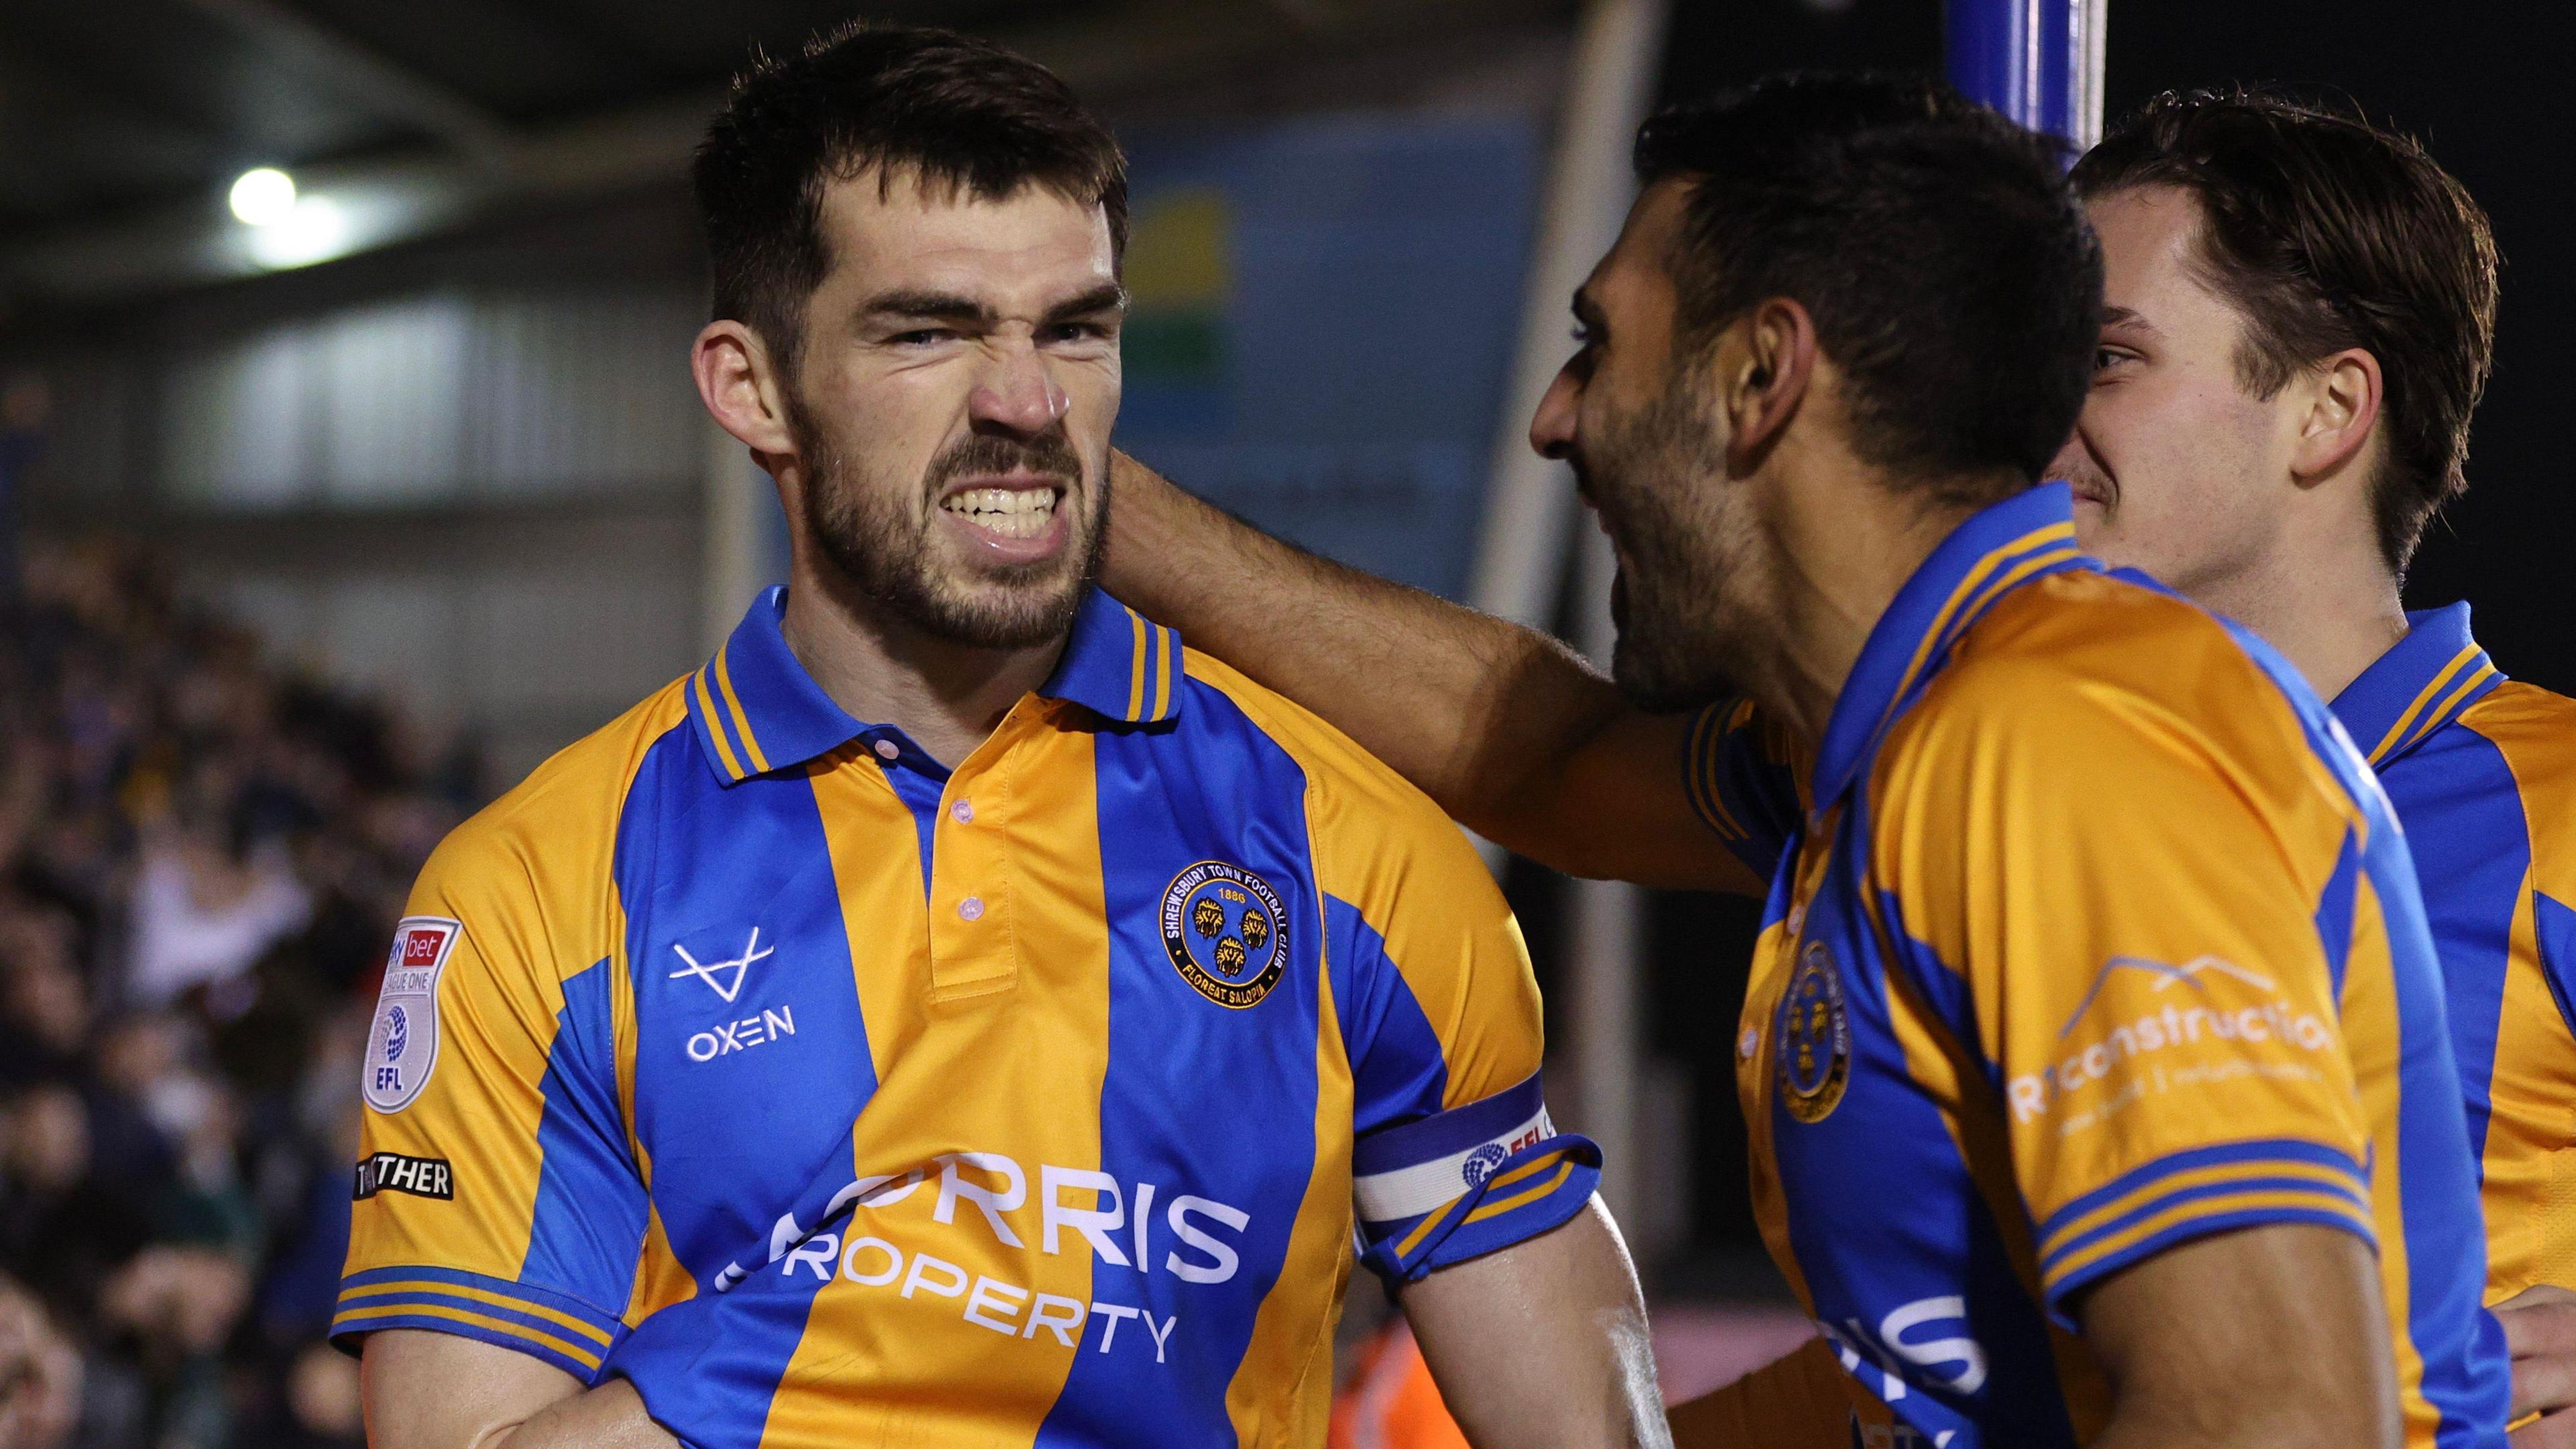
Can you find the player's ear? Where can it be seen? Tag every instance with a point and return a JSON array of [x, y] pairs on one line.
[[1764, 366], [2341, 398], [739, 381]]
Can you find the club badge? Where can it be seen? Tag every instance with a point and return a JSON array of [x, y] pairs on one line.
[[1814, 1036], [1226, 933]]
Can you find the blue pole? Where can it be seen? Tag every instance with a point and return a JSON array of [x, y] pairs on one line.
[[2037, 61]]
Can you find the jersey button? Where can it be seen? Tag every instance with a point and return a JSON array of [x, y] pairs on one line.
[[888, 749], [1748, 1043], [971, 908], [1797, 919], [963, 812]]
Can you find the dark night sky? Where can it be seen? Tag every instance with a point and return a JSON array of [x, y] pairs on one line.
[[2472, 81]]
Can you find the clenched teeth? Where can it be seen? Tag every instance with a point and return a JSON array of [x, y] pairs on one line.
[[1010, 512]]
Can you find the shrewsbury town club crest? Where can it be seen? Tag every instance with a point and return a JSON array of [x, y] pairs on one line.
[[1226, 933], [1814, 1036]]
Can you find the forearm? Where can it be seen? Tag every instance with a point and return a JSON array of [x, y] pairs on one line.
[[610, 1416], [426, 1390], [1544, 1345], [1468, 707]]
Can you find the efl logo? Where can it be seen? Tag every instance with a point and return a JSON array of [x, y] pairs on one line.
[[402, 1044]]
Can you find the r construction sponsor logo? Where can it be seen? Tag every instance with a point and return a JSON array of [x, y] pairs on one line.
[[2139, 1012]]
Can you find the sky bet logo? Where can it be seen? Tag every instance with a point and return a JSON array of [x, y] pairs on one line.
[[393, 1172]]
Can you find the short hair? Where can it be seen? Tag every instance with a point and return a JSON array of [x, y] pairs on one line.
[[1947, 266], [958, 113], [2326, 232]]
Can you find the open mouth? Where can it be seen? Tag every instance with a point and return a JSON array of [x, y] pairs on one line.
[[1022, 512]]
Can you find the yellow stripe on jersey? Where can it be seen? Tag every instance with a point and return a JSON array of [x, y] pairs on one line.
[[741, 722], [715, 725], [586, 1357], [1136, 684], [414, 1288], [2415, 711]]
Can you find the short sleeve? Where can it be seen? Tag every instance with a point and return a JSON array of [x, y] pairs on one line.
[[1453, 1155], [1745, 777], [2120, 909], [495, 1194]]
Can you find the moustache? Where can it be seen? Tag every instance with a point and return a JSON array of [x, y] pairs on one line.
[[1049, 454]]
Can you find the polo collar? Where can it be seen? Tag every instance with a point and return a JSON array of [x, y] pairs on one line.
[[756, 709], [2422, 683], [1994, 551]]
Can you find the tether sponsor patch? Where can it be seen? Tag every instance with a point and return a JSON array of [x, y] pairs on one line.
[[402, 1044], [393, 1172]]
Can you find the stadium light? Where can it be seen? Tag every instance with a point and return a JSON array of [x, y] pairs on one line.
[[263, 196], [314, 229]]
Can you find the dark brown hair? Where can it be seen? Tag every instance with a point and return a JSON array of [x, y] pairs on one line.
[[1944, 260], [2328, 233], [955, 112]]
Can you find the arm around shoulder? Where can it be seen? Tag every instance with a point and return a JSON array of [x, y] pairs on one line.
[[1508, 729]]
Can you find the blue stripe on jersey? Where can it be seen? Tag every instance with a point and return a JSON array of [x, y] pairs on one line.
[[1197, 1099], [588, 1226], [1398, 1073], [2555, 924], [2335, 906], [2466, 1371], [1887, 1134], [1427, 1139], [726, 862], [2457, 789], [2274, 1150]]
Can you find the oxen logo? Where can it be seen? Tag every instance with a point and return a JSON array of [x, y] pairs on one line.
[[1226, 933], [1814, 1036]]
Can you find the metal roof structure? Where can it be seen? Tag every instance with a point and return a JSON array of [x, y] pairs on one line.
[[124, 122]]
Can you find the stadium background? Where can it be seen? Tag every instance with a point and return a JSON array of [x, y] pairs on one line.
[[318, 533]]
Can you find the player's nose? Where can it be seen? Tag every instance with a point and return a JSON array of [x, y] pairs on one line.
[[1019, 393], [1552, 427]]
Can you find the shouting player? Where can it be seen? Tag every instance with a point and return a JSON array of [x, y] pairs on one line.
[[957, 1014], [2094, 992]]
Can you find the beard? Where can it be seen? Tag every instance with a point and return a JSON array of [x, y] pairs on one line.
[[881, 538], [1684, 537]]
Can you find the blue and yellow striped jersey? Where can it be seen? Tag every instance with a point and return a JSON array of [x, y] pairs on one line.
[[2089, 934], [836, 1097], [2482, 770]]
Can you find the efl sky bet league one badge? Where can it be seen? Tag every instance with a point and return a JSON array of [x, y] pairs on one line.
[[1814, 1036], [1226, 933], [402, 1045]]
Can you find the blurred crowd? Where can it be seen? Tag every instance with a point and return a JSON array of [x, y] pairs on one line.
[[202, 856]]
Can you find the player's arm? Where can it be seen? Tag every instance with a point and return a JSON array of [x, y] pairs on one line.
[[2081, 877], [442, 1391], [1473, 1209], [491, 1102], [1509, 730], [2191, 1341], [1543, 1343]]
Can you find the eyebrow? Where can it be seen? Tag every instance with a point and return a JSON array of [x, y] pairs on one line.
[[950, 307], [2123, 317]]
